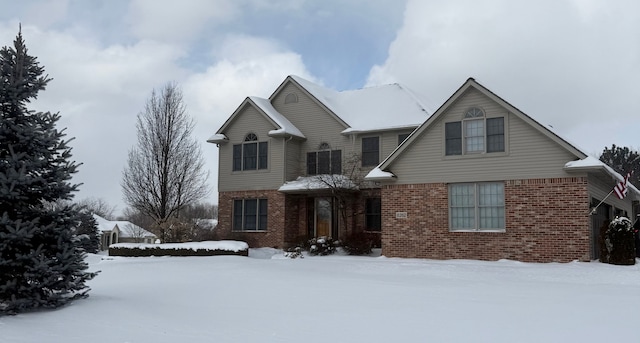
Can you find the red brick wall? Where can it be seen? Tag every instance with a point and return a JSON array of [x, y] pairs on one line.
[[546, 221], [275, 233]]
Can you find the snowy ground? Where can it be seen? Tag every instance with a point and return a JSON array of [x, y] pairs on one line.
[[269, 298]]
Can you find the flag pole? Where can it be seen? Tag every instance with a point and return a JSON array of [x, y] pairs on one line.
[[593, 210]]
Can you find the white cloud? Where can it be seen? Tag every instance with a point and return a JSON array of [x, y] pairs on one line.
[[177, 21], [555, 60], [98, 92], [254, 67]]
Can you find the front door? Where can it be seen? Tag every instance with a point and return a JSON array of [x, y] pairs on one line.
[[323, 216]]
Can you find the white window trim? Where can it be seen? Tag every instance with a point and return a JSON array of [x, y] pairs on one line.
[[476, 217]]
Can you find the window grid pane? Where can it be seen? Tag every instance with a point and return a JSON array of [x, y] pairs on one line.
[[373, 214], [262, 214], [250, 214], [250, 156], [336, 161], [263, 152], [370, 151], [324, 160], [237, 157], [311, 163], [474, 135], [495, 134], [237, 215], [491, 205], [453, 138], [462, 200]]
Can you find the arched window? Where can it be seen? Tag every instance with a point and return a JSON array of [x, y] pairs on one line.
[[291, 98], [475, 133], [324, 146], [251, 154], [474, 112], [474, 130]]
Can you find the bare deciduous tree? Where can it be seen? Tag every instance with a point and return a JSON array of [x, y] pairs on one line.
[[345, 187], [165, 170], [98, 206]]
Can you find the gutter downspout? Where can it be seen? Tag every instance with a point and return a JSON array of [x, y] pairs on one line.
[[284, 158]]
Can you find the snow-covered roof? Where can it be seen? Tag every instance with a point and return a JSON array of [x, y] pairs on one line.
[[379, 174], [318, 182], [285, 126], [217, 138], [591, 163], [126, 228], [472, 83], [370, 109]]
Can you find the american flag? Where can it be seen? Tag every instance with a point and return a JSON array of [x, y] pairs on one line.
[[621, 187]]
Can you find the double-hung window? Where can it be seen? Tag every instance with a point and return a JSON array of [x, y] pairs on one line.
[[370, 151], [251, 154], [476, 206], [250, 215], [373, 214], [474, 134]]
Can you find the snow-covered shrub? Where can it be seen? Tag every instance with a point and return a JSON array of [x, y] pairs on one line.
[[295, 252], [360, 243], [619, 243], [322, 246], [315, 246]]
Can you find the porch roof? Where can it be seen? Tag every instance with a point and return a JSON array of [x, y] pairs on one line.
[[324, 182]]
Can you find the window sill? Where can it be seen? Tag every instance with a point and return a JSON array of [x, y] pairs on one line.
[[476, 155], [250, 171], [479, 231], [249, 231]]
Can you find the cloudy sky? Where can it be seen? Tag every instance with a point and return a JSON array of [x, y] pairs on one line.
[[571, 64]]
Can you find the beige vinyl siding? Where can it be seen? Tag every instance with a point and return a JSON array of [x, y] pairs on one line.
[[292, 160], [250, 121], [314, 121], [528, 153], [599, 189], [320, 126], [389, 142]]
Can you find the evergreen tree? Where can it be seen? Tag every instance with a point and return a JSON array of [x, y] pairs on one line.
[[623, 160], [87, 231], [41, 262]]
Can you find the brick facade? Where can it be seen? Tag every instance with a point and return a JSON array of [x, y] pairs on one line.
[[288, 218], [546, 221], [272, 237]]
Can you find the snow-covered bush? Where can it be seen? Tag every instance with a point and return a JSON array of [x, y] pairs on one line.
[[360, 243], [619, 243], [315, 246], [322, 246], [295, 252]]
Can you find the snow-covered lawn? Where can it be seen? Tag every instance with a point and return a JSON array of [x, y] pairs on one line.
[[269, 298]]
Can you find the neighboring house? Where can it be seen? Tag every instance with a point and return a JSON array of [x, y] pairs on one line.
[[478, 179], [112, 232]]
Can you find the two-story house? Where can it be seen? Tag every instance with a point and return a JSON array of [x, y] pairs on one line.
[[287, 162], [478, 179]]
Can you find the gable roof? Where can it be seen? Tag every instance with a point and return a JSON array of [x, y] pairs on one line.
[[368, 109], [283, 127], [381, 173], [583, 162], [126, 228]]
